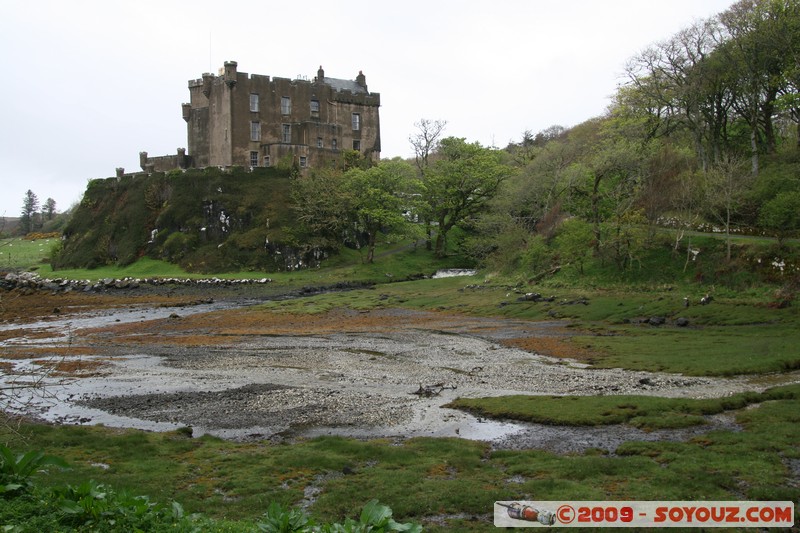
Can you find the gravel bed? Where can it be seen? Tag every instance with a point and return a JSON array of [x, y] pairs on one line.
[[354, 382]]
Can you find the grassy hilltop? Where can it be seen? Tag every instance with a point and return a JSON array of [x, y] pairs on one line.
[[205, 220]]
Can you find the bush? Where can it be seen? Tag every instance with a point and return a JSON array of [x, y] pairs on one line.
[[374, 518], [93, 505], [538, 256], [16, 470]]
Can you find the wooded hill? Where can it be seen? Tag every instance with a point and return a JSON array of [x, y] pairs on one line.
[[702, 136], [206, 220]]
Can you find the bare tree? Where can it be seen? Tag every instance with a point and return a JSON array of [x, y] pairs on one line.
[[426, 141], [725, 186], [679, 84]]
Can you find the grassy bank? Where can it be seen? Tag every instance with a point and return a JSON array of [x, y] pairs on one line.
[[645, 412], [446, 484], [609, 327], [397, 261]]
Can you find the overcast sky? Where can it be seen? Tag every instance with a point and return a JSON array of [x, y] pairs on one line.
[[89, 84]]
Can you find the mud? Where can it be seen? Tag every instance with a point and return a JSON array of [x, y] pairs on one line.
[[242, 373]]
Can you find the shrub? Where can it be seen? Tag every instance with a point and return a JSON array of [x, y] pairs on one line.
[[374, 518], [16, 470]]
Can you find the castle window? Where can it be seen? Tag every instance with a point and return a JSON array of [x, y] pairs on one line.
[[356, 121], [287, 133], [335, 144], [356, 144], [319, 142], [266, 160], [255, 131], [286, 105], [303, 161], [314, 107], [253, 159], [254, 103]]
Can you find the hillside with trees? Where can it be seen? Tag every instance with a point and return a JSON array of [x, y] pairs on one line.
[[702, 136]]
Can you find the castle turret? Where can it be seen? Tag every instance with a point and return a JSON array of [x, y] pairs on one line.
[[230, 73], [143, 160], [208, 79], [187, 110]]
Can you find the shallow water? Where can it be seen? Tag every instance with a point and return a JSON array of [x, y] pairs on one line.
[[358, 384], [453, 273]]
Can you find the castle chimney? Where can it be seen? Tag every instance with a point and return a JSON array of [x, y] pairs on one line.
[[320, 75], [182, 158], [361, 80], [230, 73]]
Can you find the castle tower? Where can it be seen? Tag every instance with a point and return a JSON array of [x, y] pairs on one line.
[[230, 73]]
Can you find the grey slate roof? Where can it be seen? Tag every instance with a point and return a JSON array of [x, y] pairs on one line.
[[345, 85]]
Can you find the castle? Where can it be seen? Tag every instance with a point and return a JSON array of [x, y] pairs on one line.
[[250, 120]]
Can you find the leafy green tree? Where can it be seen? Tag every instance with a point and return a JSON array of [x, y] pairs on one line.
[[49, 209], [464, 178], [495, 240], [678, 86], [762, 49], [30, 207], [380, 198], [781, 214], [538, 256], [323, 205], [536, 192], [609, 175], [573, 241]]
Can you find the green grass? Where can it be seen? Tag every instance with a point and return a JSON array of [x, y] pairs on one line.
[[394, 261], [645, 412], [23, 254], [710, 351], [143, 268], [728, 337], [424, 478]]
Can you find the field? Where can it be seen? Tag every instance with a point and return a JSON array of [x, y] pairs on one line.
[[450, 484], [25, 254]]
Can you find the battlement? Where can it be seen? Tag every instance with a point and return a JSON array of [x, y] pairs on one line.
[[239, 119]]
